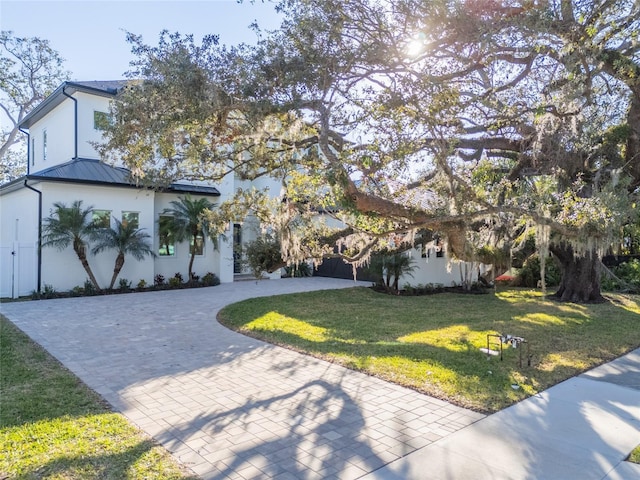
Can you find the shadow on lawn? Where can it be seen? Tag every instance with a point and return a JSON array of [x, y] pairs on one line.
[[560, 340]]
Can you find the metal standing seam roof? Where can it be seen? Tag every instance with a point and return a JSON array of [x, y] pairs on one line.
[[89, 171], [103, 88]]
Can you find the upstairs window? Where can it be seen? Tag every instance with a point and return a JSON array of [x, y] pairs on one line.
[[101, 120], [131, 218], [44, 145], [102, 218]]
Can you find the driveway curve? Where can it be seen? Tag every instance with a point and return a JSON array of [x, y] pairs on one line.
[[226, 405]]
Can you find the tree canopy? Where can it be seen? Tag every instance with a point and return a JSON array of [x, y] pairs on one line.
[[474, 119]]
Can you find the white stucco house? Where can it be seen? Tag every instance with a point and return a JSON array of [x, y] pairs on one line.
[[63, 166]]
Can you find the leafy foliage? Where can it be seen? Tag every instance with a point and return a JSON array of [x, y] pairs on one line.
[[388, 267], [71, 226], [185, 221], [210, 279], [474, 122], [529, 274], [126, 239], [263, 255]]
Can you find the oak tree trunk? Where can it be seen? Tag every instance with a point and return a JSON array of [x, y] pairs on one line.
[[580, 275]]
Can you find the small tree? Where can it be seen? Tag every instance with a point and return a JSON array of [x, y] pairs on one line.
[[71, 226], [186, 222], [264, 255], [127, 240], [390, 266]]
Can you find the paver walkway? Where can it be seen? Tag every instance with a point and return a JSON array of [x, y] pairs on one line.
[[226, 405]]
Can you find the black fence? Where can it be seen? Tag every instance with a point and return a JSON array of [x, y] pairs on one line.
[[336, 268]]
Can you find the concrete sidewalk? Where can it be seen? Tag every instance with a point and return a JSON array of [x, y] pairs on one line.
[[229, 406], [582, 429]]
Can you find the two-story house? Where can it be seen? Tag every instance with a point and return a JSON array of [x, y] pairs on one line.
[[63, 166]]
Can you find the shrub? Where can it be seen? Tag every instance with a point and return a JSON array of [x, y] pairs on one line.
[[388, 267], [300, 270], [210, 279], [89, 288], [628, 272], [47, 292], [159, 280], [124, 284], [175, 281], [529, 274], [142, 284], [178, 276], [76, 291], [263, 255]]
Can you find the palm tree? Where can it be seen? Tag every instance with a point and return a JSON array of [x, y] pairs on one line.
[[185, 222], [397, 264], [127, 240], [388, 267], [70, 225]]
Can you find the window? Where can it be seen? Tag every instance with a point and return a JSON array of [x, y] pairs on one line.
[[198, 246], [439, 247], [102, 218], [131, 218], [101, 120], [44, 145], [167, 243], [33, 151]]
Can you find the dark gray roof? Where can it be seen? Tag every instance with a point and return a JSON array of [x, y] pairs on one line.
[[95, 172], [107, 86], [103, 88]]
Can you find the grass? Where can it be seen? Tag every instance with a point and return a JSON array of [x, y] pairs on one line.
[[432, 343], [52, 426]]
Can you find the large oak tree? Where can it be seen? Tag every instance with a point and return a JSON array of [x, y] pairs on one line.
[[473, 119]]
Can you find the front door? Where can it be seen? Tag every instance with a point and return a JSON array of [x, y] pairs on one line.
[[237, 248]]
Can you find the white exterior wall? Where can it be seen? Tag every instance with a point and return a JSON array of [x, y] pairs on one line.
[[62, 269], [87, 104], [435, 270], [218, 261], [59, 125], [18, 243]]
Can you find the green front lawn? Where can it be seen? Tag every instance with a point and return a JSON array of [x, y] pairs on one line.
[[432, 343], [53, 426]]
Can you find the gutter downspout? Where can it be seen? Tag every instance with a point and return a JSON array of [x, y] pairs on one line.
[[75, 122], [28, 149], [39, 233]]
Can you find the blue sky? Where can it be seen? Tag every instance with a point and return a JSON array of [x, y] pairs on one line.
[[90, 36]]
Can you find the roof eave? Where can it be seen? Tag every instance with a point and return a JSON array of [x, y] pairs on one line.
[[56, 98]]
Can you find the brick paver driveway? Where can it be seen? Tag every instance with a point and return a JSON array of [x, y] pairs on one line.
[[226, 405]]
